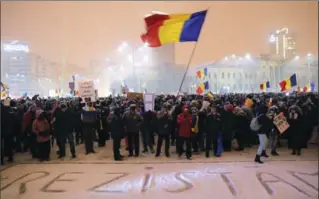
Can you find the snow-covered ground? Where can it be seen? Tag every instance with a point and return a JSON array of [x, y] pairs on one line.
[[94, 176]]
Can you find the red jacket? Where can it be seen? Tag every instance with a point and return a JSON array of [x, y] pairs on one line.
[[184, 123]]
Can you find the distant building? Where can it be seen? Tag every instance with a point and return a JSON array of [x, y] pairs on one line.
[[16, 69], [282, 44]]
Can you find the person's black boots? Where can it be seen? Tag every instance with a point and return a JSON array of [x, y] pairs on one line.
[[293, 152], [257, 159], [264, 154], [274, 153]]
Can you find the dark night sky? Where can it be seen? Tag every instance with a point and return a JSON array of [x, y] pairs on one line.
[[83, 31]]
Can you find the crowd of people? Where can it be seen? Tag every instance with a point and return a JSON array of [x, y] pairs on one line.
[[191, 124]]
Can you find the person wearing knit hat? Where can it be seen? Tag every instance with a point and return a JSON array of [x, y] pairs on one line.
[[41, 127]]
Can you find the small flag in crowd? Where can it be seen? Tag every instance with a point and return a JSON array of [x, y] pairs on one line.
[[264, 85], [163, 28], [288, 83], [200, 89], [210, 95], [202, 73], [309, 88]]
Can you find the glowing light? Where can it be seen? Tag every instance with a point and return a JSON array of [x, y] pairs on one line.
[[15, 47], [247, 56], [226, 58], [297, 58], [233, 56], [309, 54], [272, 38]]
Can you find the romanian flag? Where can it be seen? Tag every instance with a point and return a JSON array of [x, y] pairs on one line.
[[163, 28], [206, 85], [264, 85], [288, 83], [202, 73], [200, 89], [312, 87], [309, 88], [210, 95]]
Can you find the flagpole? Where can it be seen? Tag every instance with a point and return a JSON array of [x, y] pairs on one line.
[[192, 55]]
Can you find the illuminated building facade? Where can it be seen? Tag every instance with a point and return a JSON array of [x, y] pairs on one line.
[[16, 69], [282, 44]]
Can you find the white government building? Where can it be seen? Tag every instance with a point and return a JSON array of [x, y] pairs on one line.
[[244, 74]]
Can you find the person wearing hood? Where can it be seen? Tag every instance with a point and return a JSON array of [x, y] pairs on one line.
[[27, 122], [227, 118], [241, 127], [116, 127], [295, 130], [132, 122], [41, 128], [185, 125]]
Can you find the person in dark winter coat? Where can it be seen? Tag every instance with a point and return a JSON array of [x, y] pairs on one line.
[[116, 127], [163, 131], [132, 121], [147, 131], [241, 127], [213, 126], [63, 127], [265, 127], [7, 122], [227, 118], [185, 124], [295, 130]]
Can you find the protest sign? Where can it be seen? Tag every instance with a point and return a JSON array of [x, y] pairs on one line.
[[86, 90], [149, 101], [281, 123]]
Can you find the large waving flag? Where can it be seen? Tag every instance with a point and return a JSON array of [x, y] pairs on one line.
[[202, 73], [264, 85], [288, 83], [163, 28]]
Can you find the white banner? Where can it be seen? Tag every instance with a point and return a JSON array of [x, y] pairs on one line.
[[86, 90]]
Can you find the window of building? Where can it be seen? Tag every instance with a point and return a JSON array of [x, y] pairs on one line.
[[209, 75], [245, 75], [240, 87], [234, 87], [240, 76], [234, 75], [223, 75], [228, 75], [215, 75], [246, 86]]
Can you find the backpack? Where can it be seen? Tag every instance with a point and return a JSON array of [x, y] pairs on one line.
[[254, 124]]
